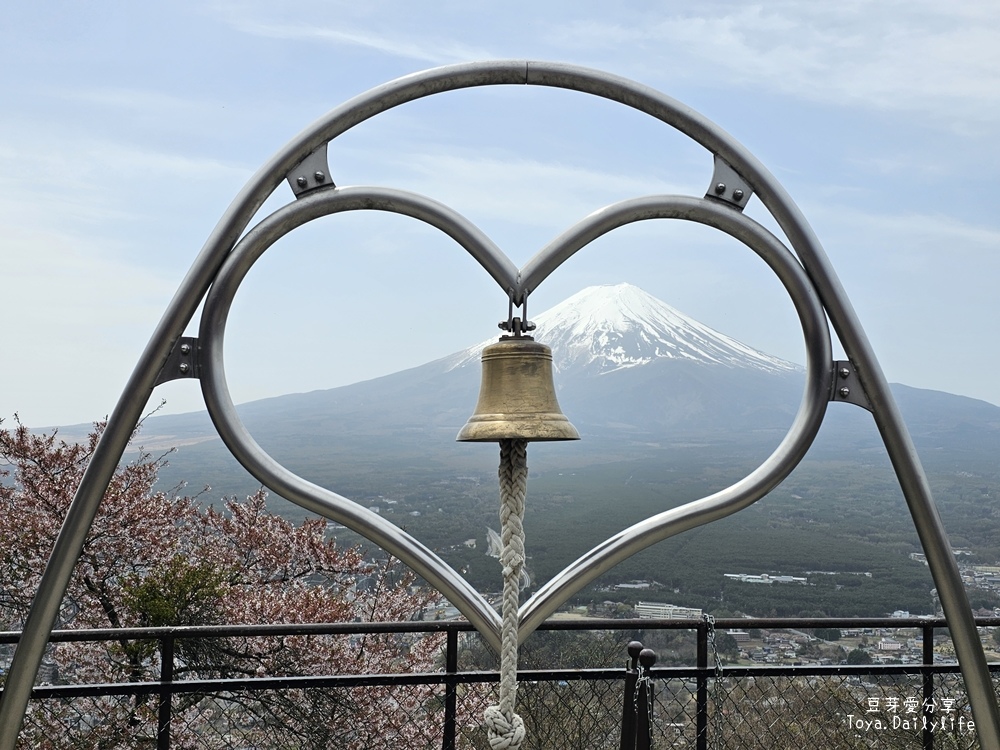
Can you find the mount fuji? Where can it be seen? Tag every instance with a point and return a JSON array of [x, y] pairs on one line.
[[603, 329]]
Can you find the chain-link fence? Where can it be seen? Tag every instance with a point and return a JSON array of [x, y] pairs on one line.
[[571, 694], [830, 711]]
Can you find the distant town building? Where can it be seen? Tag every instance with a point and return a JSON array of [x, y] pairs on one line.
[[765, 578], [662, 611]]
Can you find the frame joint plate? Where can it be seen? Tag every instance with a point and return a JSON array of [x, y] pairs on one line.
[[182, 362], [727, 185], [311, 173], [847, 387]]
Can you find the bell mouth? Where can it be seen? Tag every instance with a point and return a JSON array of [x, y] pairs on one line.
[[517, 398], [491, 428]]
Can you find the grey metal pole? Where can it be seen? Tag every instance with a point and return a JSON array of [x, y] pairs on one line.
[[909, 472]]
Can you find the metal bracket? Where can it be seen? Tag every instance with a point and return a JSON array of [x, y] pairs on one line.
[[311, 173], [847, 387], [182, 361], [727, 185], [516, 326]]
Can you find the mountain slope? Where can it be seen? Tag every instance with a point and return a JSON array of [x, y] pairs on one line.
[[669, 411], [634, 376]]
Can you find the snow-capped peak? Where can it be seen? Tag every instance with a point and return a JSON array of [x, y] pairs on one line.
[[617, 326]]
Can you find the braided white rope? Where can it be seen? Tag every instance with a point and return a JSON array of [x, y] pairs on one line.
[[505, 728]]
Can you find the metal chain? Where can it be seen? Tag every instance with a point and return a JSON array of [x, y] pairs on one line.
[[716, 692], [644, 681]]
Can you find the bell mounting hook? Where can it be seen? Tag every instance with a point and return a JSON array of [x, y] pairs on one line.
[[517, 326]]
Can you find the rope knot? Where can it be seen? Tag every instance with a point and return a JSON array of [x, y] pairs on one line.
[[503, 734]]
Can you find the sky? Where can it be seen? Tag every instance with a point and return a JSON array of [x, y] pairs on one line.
[[128, 128]]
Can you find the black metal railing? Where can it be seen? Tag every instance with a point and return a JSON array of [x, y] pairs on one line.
[[709, 704]]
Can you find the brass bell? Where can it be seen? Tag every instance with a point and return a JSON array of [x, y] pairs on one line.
[[517, 398]]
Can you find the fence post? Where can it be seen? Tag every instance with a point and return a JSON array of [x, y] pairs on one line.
[[166, 692], [450, 690], [702, 697], [928, 680]]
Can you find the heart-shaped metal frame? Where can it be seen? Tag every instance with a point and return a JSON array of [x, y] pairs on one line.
[[805, 272], [437, 572]]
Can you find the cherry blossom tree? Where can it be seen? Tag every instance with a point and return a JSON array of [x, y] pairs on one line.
[[156, 558]]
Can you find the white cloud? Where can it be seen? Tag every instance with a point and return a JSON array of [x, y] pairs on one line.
[[939, 59], [103, 196], [147, 102], [910, 233], [437, 51], [528, 191]]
